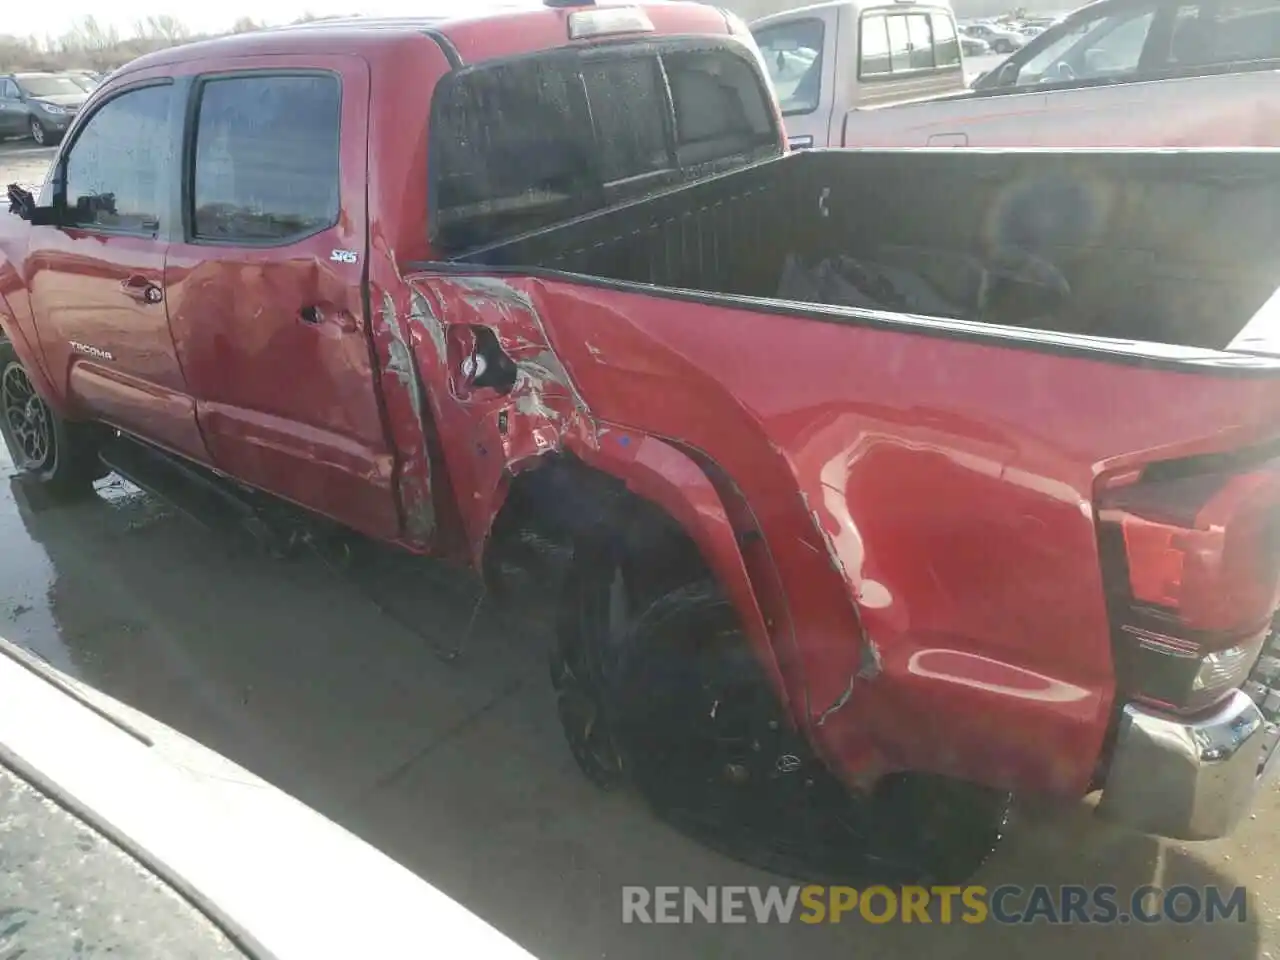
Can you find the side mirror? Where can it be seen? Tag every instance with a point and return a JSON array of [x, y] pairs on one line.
[[23, 204]]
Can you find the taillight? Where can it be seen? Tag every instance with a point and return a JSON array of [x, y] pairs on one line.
[[1192, 568]]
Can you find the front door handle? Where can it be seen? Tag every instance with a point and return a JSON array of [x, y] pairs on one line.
[[141, 289]]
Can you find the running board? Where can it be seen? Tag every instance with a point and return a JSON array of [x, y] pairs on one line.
[[197, 493]]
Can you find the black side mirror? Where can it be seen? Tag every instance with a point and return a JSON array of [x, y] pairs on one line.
[[23, 204]]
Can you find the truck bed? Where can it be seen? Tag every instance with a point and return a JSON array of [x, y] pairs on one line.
[[1177, 247]]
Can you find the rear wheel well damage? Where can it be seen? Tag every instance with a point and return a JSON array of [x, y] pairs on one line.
[[561, 504], [598, 560], [659, 690]]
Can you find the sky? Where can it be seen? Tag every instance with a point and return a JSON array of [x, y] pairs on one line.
[[214, 15]]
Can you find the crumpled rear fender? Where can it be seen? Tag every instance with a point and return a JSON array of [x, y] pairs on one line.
[[489, 435]]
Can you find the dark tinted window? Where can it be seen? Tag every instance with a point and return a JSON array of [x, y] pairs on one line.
[[718, 106], [793, 56], [266, 166], [117, 168], [630, 131], [518, 146]]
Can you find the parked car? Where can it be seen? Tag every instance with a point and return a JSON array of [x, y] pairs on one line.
[[124, 837], [908, 477], [973, 47], [858, 53], [39, 105], [999, 38], [1117, 73], [88, 80]]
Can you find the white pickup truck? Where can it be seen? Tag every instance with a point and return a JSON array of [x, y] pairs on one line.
[[1115, 73]]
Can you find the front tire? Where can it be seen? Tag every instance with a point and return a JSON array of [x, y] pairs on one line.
[[55, 453], [38, 132]]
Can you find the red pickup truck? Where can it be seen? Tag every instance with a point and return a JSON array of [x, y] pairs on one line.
[[933, 475]]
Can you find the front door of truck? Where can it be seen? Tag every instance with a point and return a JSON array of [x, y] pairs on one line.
[[97, 288], [265, 285]]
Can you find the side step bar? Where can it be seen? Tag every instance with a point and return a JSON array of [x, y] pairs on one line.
[[197, 493]]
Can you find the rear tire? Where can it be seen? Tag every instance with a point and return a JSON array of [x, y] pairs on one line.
[[60, 455], [660, 691]]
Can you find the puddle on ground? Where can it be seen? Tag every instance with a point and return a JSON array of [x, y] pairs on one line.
[[27, 576]]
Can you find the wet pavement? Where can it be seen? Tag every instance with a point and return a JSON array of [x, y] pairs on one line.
[[458, 769]]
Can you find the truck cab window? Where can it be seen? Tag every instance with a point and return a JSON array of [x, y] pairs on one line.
[[632, 138], [719, 111], [518, 146], [116, 170], [793, 56], [266, 158]]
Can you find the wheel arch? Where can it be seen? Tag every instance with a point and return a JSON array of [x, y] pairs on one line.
[[638, 474], [12, 334]]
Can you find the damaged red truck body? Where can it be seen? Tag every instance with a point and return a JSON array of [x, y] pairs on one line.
[[549, 276]]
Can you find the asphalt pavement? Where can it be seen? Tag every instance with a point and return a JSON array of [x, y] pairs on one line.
[[458, 769]]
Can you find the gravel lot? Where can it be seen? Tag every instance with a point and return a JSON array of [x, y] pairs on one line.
[[458, 770]]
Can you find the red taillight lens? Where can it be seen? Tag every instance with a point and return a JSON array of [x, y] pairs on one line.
[[1192, 567], [1203, 548]]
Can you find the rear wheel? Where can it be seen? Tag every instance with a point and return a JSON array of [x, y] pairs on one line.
[[58, 454], [665, 695]]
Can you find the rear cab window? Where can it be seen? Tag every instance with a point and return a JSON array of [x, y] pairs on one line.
[[523, 144], [892, 42]]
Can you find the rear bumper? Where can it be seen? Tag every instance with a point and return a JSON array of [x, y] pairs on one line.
[[1189, 779]]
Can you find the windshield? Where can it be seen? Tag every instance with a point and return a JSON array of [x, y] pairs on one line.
[[49, 86], [522, 145]]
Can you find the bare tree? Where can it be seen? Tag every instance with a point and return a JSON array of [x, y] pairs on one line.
[[170, 31], [246, 25]]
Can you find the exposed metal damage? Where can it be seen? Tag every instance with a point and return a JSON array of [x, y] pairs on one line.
[[415, 471]]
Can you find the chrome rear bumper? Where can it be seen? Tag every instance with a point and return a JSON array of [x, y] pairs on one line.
[[1189, 779]]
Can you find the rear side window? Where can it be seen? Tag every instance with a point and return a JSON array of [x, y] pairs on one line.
[[117, 169], [266, 158], [891, 43], [521, 145], [793, 56], [1232, 31]]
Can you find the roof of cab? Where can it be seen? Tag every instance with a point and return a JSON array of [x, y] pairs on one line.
[[491, 29]]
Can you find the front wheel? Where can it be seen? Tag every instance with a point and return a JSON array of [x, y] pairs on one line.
[[55, 453], [38, 133]]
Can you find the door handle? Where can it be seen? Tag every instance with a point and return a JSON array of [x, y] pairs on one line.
[[141, 289]]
